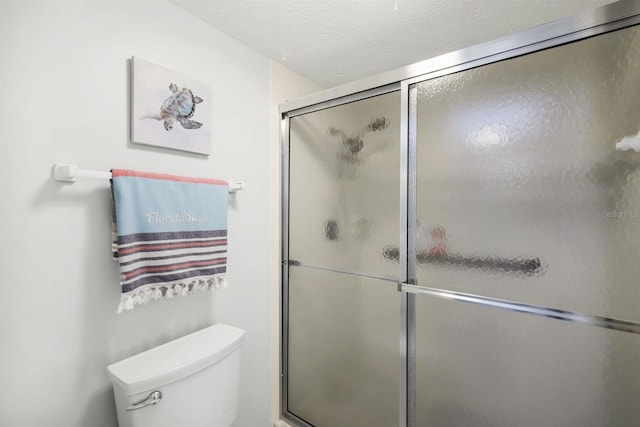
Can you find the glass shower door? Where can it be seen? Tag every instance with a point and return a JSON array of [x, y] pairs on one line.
[[524, 202], [343, 307]]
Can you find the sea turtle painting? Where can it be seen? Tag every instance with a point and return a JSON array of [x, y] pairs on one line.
[[179, 107]]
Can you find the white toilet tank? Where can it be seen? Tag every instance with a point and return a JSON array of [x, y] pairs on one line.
[[190, 382]]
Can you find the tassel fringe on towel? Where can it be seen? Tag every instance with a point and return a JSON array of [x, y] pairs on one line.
[[156, 292]]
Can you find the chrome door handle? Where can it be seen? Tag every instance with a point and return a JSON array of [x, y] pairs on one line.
[[153, 399]]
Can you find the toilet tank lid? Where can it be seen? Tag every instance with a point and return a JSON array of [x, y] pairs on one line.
[[176, 359]]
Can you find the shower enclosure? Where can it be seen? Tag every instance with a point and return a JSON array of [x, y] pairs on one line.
[[461, 237]]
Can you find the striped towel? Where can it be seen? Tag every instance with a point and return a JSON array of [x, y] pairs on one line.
[[169, 235]]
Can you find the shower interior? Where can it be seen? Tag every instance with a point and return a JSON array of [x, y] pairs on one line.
[[499, 181]]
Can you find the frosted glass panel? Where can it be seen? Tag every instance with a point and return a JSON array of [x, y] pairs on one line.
[[521, 193], [343, 349], [344, 185], [479, 366]]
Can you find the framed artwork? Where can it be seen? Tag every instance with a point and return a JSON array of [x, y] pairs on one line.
[[169, 109]]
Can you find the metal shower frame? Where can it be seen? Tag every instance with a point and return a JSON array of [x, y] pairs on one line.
[[611, 17]]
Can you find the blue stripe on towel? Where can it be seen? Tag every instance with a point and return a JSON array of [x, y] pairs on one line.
[[144, 237], [157, 258], [154, 212]]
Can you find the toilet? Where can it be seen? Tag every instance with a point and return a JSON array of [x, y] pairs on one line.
[[189, 382]]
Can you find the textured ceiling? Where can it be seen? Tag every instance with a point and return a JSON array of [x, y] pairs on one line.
[[332, 42]]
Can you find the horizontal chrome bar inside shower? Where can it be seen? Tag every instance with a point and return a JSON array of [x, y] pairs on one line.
[[295, 263], [601, 322]]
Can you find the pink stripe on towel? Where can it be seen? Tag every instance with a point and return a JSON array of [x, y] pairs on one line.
[[126, 172]]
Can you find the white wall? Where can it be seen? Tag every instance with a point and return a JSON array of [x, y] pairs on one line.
[[65, 93]]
